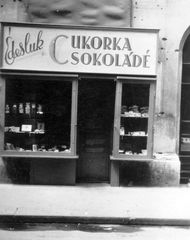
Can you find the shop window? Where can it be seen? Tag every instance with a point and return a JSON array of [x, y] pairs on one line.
[[39, 118], [134, 119]]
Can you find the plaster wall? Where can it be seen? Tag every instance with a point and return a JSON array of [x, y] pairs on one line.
[[162, 171], [81, 12], [13, 10]]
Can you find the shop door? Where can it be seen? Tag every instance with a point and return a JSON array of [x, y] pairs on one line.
[[95, 126]]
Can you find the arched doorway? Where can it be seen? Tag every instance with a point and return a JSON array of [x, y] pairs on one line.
[[184, 145]]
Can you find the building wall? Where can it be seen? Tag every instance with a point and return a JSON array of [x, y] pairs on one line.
[[81, 12], [173, 20], [171, 17]]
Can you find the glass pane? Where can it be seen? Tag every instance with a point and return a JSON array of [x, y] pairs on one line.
[[134, 119], [186, 73], [38, 115], [185, 135], [186, 51], [185, 118], [185, 104]]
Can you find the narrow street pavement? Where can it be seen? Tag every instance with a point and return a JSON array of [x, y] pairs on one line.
[[43, 212], [91, 232], [95, 203]]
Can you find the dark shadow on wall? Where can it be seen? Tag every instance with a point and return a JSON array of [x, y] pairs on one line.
[[134, 174], [17, 170]]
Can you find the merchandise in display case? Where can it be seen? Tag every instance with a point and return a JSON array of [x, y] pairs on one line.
[[38, 116], [133, 132], [134, 127], [134, 119]]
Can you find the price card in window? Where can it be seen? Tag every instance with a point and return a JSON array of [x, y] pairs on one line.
[[26, 128]]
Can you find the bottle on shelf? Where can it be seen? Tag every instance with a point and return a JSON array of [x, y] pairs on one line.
[[21, 108], [14, 109], [7, 109], [39, 109], [122, 131], [27, 108], [33, 108]]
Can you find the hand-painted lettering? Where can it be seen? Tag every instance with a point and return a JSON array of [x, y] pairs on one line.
[[26, 47]]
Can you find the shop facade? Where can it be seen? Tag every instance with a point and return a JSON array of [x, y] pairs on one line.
[[46, 69], [95, 99]]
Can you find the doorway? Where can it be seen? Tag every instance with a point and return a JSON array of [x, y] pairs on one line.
[[95, 127], [184, 147]]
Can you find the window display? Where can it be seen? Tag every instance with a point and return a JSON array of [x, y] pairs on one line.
[[134, 115], [134, 119], [38, 116]]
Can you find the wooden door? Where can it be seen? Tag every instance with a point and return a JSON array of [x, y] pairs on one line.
[[95, 124]]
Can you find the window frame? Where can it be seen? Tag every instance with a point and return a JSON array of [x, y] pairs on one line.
[[73, 133], [117, 118]]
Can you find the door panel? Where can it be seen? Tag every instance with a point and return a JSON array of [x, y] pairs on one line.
[[95, 124], [94, 157]]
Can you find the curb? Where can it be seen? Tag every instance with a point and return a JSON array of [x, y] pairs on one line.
[[6, 219]]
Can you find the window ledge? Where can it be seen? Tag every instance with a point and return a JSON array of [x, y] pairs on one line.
[[128, 158], [15, 154]]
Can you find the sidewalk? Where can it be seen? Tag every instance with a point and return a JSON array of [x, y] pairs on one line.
[[95, 203]]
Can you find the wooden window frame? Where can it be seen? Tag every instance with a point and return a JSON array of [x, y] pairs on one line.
[[73, 134], [116, 131]]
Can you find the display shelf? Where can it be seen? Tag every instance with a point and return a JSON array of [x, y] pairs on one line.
[[33, 142], [38, 154], [35, 133], [134, 155], [131, 158], [134, 116], [27, 116], [185, 147], [185, 134], [27, 133], [130, 136]]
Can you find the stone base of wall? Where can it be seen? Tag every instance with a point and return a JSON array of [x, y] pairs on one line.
[[14, 170], [162, 171], [3, 172]]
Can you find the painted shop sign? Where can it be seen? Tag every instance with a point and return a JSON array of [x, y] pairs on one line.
[[79, 49]]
